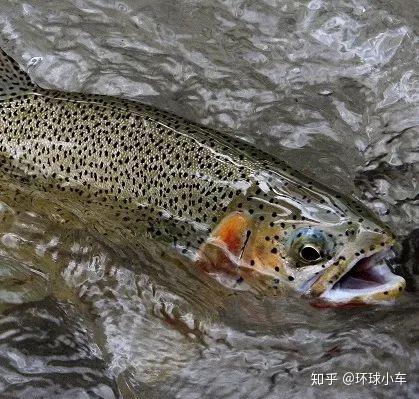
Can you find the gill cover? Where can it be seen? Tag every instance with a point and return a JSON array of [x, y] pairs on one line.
[[245, 249]]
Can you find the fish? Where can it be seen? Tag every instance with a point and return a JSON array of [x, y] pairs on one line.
[[241, 215]]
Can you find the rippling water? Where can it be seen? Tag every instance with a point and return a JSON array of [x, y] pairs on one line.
[[330, 86]]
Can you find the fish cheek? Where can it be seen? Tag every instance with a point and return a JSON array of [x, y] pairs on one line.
[[234, 230], [238, 247], [264, 252], [224, 248]]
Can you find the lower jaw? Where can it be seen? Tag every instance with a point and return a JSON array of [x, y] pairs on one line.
[[357, 301], [346, 295]]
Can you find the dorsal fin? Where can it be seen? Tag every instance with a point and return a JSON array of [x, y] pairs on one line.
[[13, 80]]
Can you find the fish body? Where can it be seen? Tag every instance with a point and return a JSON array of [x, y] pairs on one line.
[[240, 214]]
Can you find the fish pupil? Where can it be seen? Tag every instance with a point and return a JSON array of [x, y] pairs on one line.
[[309, 254]]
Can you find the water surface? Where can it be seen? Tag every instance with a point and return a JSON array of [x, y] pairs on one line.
[[330, 86]]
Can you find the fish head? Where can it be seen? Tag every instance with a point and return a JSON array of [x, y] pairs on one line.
[[327, 249], [343, 264]]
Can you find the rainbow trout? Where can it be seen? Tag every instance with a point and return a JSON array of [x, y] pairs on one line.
[[241, 215]]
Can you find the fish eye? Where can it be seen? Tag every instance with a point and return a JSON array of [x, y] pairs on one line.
[[309, 245], [309, 253]]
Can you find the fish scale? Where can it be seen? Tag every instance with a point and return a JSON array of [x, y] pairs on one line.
[[116, 156], [230, 207], [113, 155]]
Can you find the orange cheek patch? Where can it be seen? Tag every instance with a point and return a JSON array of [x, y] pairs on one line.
[[221, 251], [232, 232], [238, 248]]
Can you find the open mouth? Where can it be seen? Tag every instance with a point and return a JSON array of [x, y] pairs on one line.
[[369, 279]]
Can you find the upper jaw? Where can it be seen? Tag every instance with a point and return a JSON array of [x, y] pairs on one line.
[[362, 280]]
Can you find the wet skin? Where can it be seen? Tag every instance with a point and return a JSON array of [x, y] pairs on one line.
[[238, 213]]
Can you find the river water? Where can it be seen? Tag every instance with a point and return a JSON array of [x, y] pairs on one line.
[[330, 86]]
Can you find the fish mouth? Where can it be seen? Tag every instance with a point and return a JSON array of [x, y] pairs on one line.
[[368, 280]]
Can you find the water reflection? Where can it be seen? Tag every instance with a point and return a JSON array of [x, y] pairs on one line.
[[47, 351], [333, 82]]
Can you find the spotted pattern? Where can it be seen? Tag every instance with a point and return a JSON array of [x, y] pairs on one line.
[[157, 173]]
